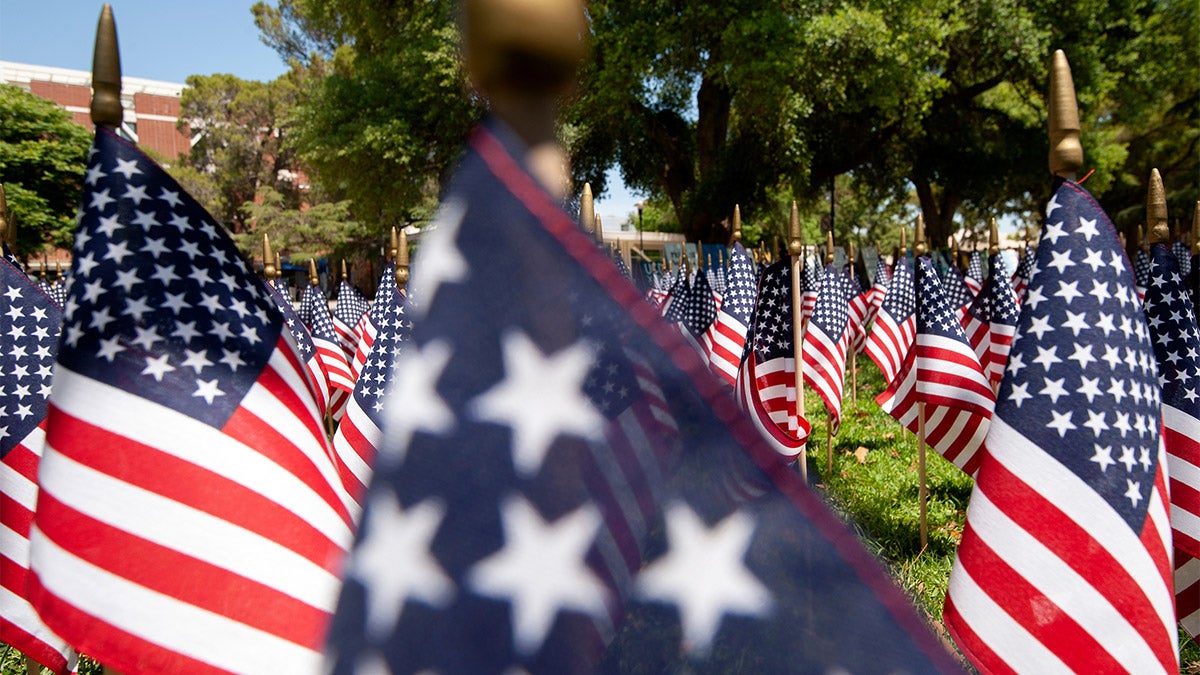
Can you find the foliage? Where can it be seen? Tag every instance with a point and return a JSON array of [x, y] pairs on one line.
[[324, 229], [390, 112], [239, 143], [42, 155]]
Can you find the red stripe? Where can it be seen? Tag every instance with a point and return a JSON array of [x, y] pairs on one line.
[[31, 646], [1072, 544], [974, 647], [183, 577]]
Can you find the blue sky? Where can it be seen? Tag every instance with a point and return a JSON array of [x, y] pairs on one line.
[[168, 40]]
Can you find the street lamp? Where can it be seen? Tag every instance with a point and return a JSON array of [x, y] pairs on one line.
[[641, 243]]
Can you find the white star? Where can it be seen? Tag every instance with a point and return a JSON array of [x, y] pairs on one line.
[[100, 200], [1122, 424], [1061, 423], [1127, 458], [1040, 326], [1068, 292], [208, 390], [135, 192], [1096, 422], [86, 262], [418, 405], [197, 359], [117, 252], [1054, 231], [1103, 457], [1015, 363], [1087, 228], [109, 348], [94, 174], [1054, 389], [1082, 354], [1034, 297], [1094, 260], [101, 319], [1060, 260], [1090, 388], [231, 358], [1144, 459], [704, 575], [1019, 393], [1133, 492], [171, 197], [441, 261], [1076, 322], [155, 247], [540, 398], [1105, 323], [157, 367], [1052, 205], [1047, 357], [394, 563], [128, 167], [541, 570]]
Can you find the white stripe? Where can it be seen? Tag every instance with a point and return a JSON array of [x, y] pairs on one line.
[[1080, 503], [1187, 573], [21, 614], [992, 624], [173, 433], [163, 620], [295, 379], [356, 418], [188, 531]]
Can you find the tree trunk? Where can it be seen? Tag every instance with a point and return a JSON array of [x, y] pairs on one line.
[[938, 207]]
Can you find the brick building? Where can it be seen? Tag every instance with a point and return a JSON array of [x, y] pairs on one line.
[[151, 107]]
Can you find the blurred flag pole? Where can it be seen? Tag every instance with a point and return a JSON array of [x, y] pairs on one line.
[[920, 249], [796, 251], [828, 414], [853, 352]]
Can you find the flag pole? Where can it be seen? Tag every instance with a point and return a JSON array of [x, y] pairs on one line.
[[1066, 150], [920, 249], [268, 259], [828, 415], [853, 356], [796, 251], [106, 103], [587, 210], [401, 254]]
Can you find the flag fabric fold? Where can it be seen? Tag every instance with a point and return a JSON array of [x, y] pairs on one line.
[[825, 344], [895, 324], [338, 377], [991, 320], [189, 517], [1065, 560], [386, 297], [725, 340], [491, 541], [350, 308], [317, 379], [30, 324]]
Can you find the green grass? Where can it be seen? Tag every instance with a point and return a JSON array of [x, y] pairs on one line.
[[878, 496]]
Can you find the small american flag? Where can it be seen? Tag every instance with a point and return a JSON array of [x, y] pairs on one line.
[[325, 341], [895, 323], [386, 296], [351, 307], [1025, 269], [857, 322], [958, 293], [825, 344], [1065, 561], [975, 273], [810, 287], [189, 516], [488, 544], [991, 320], [358, 435], [1183, 253], [1176, 342], [1141, 271], [29, 329], [876, 293], [767, 380], [725, 340], [318, 381], [698, 308], [942, 372]]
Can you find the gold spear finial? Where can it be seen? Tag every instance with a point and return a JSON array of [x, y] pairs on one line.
[[344, 277], [850, 254], [599, 230], [919, 246], [736, 235], [393, 244], [1156, 210], [58, 268], [1141, 236], [1066, 152], [795, 236], [312, 272], [270, 271], [1196, 229], [829, 247], [278, 265], [402, 261], [106, 72], [587, 209], [993, 238]]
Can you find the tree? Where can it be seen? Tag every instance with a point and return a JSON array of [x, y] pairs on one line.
[[386, 110], [240, 144], [42, 159]]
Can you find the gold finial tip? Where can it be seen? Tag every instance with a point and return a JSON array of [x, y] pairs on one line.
[[1156, 210], [919, 245], [795, 236], [736, 235], [524, 45], [829, 247], [269, 268], [1066, 151], [993, 238], [312, 272], [587, 209], [1196, 229], [106, 72]]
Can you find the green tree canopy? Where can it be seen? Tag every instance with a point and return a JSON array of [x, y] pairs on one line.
[[42, 158]]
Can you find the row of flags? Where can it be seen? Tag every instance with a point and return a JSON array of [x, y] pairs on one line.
[[531, 469]]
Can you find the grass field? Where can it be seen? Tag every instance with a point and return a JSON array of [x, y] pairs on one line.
[[874, 486]]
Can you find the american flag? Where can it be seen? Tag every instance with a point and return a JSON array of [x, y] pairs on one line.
[[958, 294], [941, 371], [857, 323], [482, 546], [58, 290], [895, 323], [318, 381], [29, 328], [767, 380], [810, 287], [325, 341], [357, 438], [1141, 271], [716, 279], [876, 293], [1183, 253], [975, 274], [1025, 269], [676, 302], [351, 307], [1065, 561], [189, 516], [725, 341], [991, 320], [698, 308], [825, 343], [1173, 331], [386, 295]]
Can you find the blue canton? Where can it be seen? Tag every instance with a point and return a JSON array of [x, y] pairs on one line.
[[30, 325]]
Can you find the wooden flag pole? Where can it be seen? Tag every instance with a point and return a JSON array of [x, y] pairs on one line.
[[829, 415], [796, 251], [853, 356], [920, 249]]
